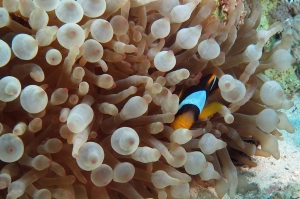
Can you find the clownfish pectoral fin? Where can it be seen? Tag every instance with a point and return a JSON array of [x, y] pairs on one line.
[[210, 109]]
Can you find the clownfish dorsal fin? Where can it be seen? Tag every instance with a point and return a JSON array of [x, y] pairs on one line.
[[212, 83]]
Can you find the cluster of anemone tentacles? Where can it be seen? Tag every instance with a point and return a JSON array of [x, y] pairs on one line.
[[88, 89]]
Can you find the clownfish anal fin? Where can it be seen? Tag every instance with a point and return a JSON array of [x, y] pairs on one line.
[[210, 109]]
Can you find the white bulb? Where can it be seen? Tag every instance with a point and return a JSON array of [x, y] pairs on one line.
[[80, 117], [11, 147], [101, 30], [93, 8], [161, 28], [5, 53], [24, 46], [70, 35], [125, 141], [33, 99], [164, 61], [69, 11], [10, 88], [90, 156]]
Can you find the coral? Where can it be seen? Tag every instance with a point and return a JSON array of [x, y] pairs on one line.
[[295, 32], [89, 88], [288, 80], [289, 11], [282, 11], [287, 8], [285, 11]]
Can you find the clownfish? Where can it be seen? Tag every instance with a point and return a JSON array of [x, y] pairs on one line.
[[192, 103]]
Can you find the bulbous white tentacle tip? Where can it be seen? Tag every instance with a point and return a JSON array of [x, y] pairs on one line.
[[147, 98], [131, 142], [42, 93], [164, 61], [113, 86], [65, 90], [229, 119], [71, 5], [71, 127], [170, 53], [38, 120], [125, 141], [12, 92], [114, 112], [93, 161], [108, 78], [75, 155], [37, 42], [124, 21], [206, 165]]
